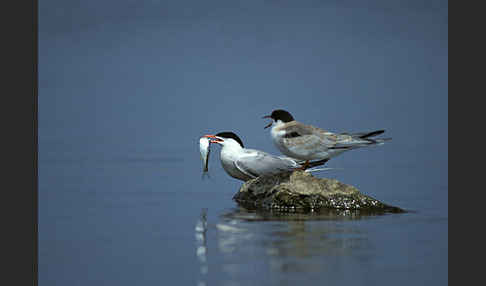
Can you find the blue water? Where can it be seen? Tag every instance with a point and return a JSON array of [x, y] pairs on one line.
[[125, 94]]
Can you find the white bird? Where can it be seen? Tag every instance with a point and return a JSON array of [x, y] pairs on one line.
[[245, 164], [306, 142]]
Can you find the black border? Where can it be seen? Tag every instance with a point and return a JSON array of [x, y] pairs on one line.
[[465, 126], [35, 77], [19, 142]]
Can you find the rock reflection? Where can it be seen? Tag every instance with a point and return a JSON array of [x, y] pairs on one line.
[[248, 214], [290, 242], [302, 239]]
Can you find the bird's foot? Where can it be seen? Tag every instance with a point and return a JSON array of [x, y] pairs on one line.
[[304, 166]]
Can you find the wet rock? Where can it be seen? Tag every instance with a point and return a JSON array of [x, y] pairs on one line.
[[300, 191]]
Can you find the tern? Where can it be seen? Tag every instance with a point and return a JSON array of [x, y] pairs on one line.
[[245, 164], [306, 142]]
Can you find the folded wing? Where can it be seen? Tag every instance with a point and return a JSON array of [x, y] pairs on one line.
[[257, 163]]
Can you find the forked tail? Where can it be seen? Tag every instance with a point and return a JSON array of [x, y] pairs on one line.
[[367, 135], [364, 135]]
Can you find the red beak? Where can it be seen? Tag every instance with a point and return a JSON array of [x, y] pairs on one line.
[[215, 138]]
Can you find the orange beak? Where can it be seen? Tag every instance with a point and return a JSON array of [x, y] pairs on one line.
[[215, 138]]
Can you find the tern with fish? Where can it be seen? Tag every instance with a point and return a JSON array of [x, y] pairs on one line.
[[245, 164]]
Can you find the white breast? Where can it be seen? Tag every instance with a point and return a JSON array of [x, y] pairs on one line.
[[228, 157], [278, 139]]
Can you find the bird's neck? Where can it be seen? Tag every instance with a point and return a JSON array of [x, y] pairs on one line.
[[230, 151], [277, 131]]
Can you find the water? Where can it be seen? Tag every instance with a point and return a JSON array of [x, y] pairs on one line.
[[125, 93]]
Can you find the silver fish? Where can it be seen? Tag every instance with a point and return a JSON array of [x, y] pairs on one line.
[[205, 150]]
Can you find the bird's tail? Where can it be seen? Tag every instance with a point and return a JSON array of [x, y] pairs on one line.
[[317, 163], [321, 169], [361, 139], [381, 140], [364, 135]]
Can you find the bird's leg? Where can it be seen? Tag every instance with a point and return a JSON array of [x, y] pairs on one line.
[[304, 167]]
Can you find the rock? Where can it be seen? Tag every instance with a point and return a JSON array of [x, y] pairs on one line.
[[300, 191]]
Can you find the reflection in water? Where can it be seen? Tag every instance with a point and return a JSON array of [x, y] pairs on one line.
[[302, 239], [289, 243], [201, 247], [247, 214], [231, 235]]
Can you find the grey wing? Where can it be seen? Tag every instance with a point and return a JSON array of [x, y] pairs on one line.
[[297, 130], [347, 141], [259, 163], [313, 138], [309, 137], [330, 140]]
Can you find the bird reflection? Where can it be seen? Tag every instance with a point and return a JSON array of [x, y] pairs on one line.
[[201, 247]]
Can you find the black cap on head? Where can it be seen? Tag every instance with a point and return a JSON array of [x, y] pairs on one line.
[[281, 114], [229, 134]]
